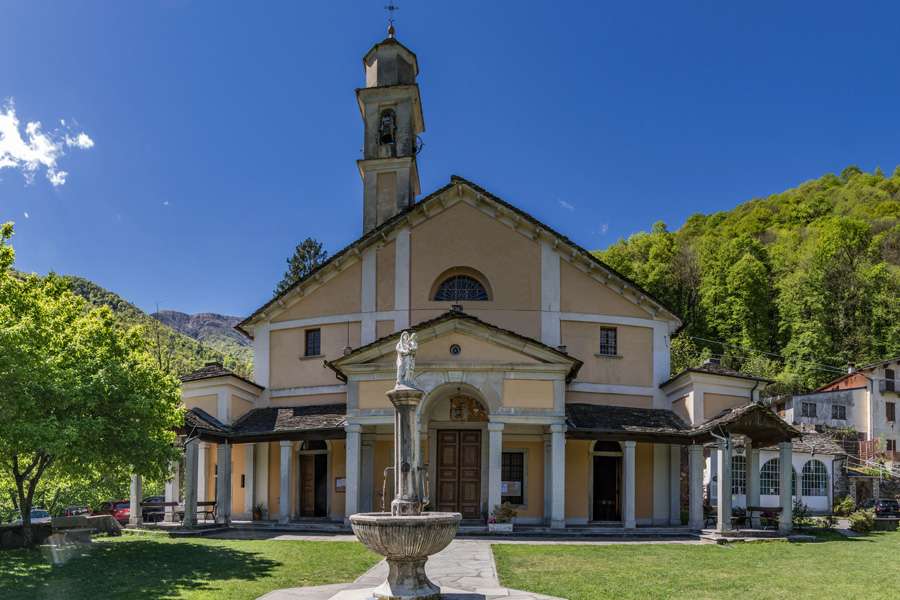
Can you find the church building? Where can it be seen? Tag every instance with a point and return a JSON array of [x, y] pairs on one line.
[[546, 373]]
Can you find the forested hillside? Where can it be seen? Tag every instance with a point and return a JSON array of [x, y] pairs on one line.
[[175, 351], [794, 286]]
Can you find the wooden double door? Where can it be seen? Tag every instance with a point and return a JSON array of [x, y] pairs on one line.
[[459, 472], [313, 485]]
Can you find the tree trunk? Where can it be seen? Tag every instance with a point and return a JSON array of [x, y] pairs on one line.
[[25, 487]]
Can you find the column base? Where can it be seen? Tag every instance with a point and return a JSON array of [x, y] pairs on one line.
[[557, 523], [630, 525], [695, 525]]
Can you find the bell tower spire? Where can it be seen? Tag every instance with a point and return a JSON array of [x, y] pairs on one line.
[[391, 109]]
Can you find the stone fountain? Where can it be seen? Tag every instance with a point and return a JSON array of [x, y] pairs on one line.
[[406, 536]]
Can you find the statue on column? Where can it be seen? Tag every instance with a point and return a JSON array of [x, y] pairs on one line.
[[406, 359]]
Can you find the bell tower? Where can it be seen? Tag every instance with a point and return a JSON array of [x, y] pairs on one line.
[[392, 113]]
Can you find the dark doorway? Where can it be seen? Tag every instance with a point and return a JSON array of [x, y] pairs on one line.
[[607, 484], [459, 472], [314, 483]]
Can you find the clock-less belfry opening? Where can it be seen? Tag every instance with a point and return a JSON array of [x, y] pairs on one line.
[[406, 536]]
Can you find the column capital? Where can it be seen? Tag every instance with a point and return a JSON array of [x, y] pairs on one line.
[[495, 426], [629, 444], [353, 428], [286, 443], [557, 427], [204, 445], [695, 449]]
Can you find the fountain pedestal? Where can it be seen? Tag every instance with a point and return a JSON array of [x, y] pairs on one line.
[[406, 536]]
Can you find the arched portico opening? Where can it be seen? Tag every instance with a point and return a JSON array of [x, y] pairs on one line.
[[606, 486], [456, 418]]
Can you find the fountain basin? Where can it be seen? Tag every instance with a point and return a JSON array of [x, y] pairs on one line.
[[406, 542]]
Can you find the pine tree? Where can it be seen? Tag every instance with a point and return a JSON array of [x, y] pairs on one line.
[[308, 255]]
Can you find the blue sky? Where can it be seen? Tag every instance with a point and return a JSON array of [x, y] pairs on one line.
[[224, 133]]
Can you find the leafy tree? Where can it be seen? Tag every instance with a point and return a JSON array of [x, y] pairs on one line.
[[81, 395], [308, 255]]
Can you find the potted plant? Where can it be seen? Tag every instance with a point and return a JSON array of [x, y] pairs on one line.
[[501, 519], [258, 511]]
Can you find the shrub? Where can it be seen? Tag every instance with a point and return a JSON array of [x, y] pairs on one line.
[[844, 506], [862, 521], [829, 521], [800, 517], [503, 513]]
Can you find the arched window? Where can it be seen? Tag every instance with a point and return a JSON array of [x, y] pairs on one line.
[[738, 475], [815, 479], [460, 287], [607, 447], [387, 127], [770, 479], [309, 445]]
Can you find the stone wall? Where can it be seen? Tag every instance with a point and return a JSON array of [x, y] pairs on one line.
[[11, 535]]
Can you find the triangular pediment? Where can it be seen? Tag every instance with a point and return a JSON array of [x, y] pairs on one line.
[[456, 338], [462, 190]]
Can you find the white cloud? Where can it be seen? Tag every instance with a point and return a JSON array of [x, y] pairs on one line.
[[37, 149], [165, 202], [27, 216], [566, 205], [604, 228]]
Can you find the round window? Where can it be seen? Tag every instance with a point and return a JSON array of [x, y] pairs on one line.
[[455, 349]]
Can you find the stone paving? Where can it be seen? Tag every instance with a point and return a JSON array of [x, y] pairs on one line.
[[464, 570]]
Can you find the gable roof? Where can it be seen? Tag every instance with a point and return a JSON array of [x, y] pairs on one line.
[[212, 370], [452, 316], [715, 369], [400, 218], [859, 371]]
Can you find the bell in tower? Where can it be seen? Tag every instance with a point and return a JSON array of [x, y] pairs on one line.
[[391, 109]]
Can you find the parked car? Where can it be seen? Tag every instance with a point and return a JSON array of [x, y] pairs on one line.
[[153, 514], [885, 507], [74, 511], [119, 509], [38, 515]]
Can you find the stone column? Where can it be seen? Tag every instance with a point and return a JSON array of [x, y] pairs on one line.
[[284, 491], [223, 484], [660, 484], [674, 484], [558, 475], [495, 464], [753, 483], [628, 466], [172, 491], [695, 508], [202, 470], [249, 478], [352, 473], [367, 475], [190, 483], [786, 461], [135, 512], [548, 480], [723, 486]]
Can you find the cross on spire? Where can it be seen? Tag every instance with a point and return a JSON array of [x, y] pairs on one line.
[[391, 8]]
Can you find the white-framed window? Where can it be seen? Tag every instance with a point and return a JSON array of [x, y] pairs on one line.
[[770, 478], [609, 341], [313, 342], [815, 479], [738, 474]]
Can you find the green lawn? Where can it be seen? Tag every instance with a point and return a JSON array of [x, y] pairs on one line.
[[866, 568], [159, 567]]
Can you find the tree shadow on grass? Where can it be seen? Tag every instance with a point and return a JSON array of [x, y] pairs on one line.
[[137, 569]]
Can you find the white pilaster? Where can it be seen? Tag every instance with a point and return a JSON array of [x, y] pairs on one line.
[[202, 470], [661, 365], [249, 478], [660, 484], [261, 354], [548, 481], [674, 484], [223, 407], [558, 475], [401, 278], [261, 481], [223, 484], [695, 504], [172, 490], [354, 451], [136, 513], [367, 476], [723, 489], [550, 295], [629, 468], [284, 490], [786, 461], [367, 300], [753, 482], [190, 483], [495, 464]]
